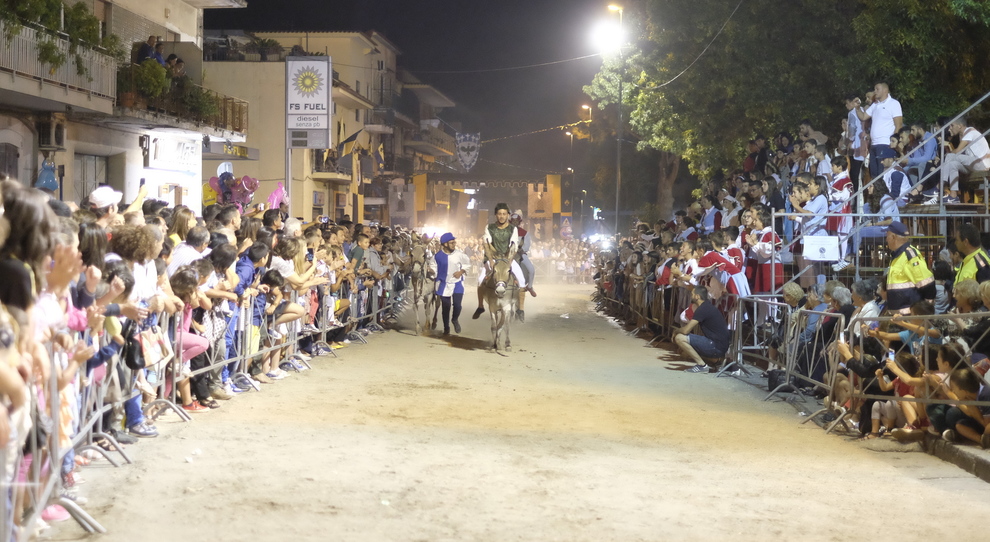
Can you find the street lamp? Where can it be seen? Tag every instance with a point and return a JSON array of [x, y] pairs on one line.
[[611, 39], [588, 108], [618, 127]]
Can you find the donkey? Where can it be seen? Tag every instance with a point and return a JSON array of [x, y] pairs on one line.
[[421, 284], [500, 290]]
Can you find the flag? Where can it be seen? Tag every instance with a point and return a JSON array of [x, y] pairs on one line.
[[468, 147], [347, 146], [380, 156]]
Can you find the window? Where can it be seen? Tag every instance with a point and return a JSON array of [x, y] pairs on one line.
[[9, 160], [357, 87], [381, 65], [88, 172]]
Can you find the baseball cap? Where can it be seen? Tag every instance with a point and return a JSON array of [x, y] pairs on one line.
[[899, 228], [886, 152], [104, 196], [446, 238]]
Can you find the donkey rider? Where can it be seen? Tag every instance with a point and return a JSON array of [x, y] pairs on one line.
[[500, 240], [522, 256]]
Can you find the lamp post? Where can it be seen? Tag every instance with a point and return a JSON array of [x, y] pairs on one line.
[[590, 115], [618, 127], [584, 194]]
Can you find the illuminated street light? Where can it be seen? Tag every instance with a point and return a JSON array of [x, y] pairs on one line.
[[610, 38]]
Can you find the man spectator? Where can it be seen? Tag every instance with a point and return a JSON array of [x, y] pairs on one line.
[[292, 227], [972, 154], [714, 339], [976, 263], [272, 219], [190, 250], [230, 222], [896, 179], [159, 54], [147, 49], [917, 162], [887, 118], [909, 279], [756, 192], [855, 141], [806, 133]]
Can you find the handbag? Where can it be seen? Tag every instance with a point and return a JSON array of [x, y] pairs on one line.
[[156, 348], [131, 352]]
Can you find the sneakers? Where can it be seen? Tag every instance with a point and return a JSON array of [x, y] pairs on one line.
[[195, 407], [122, 438], [310, 328], [949, 435], [232, 389], [221, 393], [931, 201], [277, 375], [950, 199], [840, 265], [698, 369], [55, 513], [274, 335], [457, 326], [142, 430], [477, 313]]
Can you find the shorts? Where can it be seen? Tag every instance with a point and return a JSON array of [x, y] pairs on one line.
[[704, 346], [254, 340]]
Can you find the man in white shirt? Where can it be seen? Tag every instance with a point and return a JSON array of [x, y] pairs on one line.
[[972, 154], [190, 250], [887, 121]]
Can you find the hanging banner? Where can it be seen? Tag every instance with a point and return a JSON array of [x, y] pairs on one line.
[[468, 147], [308, 80]]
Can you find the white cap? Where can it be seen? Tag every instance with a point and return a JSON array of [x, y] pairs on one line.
[[104, 196]]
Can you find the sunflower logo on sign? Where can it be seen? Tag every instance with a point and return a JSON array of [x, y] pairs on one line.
[[307, 82]]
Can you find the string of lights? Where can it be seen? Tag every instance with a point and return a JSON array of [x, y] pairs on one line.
[[511, 68], [561, 127]]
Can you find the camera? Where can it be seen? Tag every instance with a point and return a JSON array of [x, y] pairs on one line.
[[324, 219]]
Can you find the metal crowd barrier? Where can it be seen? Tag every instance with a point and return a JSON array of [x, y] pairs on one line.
[[861, 398]]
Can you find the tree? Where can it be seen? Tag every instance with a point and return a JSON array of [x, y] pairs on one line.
[[701, 98]]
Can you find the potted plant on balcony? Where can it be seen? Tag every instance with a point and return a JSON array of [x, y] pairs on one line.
[[150, 79], [269, 49], [200, 103]]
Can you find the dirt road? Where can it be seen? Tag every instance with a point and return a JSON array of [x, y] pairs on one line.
[[580, 434]]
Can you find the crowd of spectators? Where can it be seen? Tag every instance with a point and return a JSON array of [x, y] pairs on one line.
[[141, 298], [686, 276]]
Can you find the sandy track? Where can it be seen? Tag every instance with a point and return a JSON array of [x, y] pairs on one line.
[[580, 434]]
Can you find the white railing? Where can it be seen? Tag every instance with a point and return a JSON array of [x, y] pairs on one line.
[[20, 55]]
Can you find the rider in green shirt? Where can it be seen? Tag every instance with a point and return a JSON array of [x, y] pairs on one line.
[[501, 240]]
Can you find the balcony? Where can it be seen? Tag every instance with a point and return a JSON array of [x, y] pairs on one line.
[[89, 86], [184, 105], [327, 167], [431, 139]]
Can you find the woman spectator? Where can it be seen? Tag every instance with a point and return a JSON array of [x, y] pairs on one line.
[[810, 206], [28, 246], [183, 220], [185, 285]]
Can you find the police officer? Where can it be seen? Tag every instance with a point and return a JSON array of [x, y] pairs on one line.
[[909, 279]]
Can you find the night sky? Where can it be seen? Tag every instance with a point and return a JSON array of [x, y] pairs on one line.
[[437, 35]]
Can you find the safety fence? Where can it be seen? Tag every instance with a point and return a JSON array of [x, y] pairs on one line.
[[815, 354], [64, 415]]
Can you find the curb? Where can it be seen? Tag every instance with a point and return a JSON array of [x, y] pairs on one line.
[[971, 459]]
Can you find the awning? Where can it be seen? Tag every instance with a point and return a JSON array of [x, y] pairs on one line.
[[217, 150]]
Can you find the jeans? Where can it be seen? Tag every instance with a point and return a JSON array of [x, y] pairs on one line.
[[871, 232], [132, 410], [446, 301]]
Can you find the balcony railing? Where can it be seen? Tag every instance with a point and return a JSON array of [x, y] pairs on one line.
[[214, 52], [19, 54], [436, 137], [188, 101], [326, 161]]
